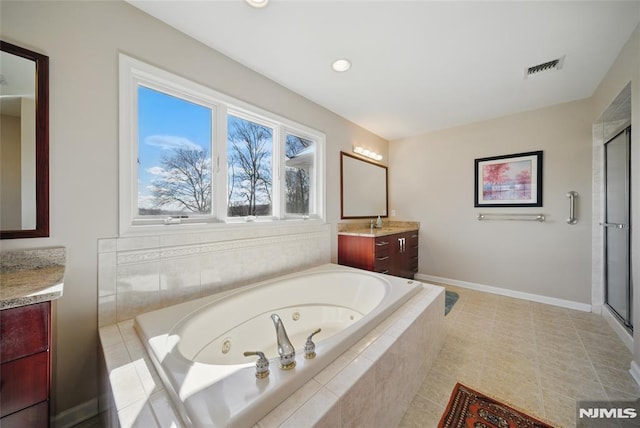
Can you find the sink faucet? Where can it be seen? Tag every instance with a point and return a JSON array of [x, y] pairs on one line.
[[285, 350]]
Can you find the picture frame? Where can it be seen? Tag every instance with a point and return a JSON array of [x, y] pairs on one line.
[[513, 180]]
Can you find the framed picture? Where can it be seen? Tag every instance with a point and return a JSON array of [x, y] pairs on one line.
[[509, 180]]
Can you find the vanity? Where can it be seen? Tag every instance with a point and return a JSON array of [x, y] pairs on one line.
[[31, 280], [391, 249]]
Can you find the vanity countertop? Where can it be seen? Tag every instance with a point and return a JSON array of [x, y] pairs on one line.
[[388, 228], [31, 276]]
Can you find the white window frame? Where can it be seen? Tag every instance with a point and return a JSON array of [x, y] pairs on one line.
[[132, 73]]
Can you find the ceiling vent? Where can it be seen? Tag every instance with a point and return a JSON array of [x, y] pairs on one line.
[[546, 67]]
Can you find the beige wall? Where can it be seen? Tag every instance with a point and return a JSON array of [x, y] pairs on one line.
[[432, 180], [82, 40], [627, 69]]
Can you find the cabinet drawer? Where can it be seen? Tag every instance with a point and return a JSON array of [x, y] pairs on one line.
[[33, 417], [24, 331], [382, 264], [24, 382], [382, 245]]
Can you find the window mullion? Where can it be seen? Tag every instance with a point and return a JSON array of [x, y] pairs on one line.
[[222, 163]]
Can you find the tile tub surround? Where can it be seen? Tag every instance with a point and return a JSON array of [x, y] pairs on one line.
[[372, 383], [139, 274], [31, 276]]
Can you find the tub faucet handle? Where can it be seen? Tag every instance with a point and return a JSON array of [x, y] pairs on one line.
[[262, 365], [310, 347]]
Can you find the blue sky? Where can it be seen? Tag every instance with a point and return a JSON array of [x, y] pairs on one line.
[[166, 123]]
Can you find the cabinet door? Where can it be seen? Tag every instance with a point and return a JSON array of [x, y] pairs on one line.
[[356, 251], [32, 417], [396, 254], [24, 331], [411, 253], [404, 254], [24, 382]]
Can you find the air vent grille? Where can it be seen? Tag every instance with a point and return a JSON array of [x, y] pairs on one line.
[[545, 67]]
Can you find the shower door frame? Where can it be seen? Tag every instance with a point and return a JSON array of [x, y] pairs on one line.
[[627, 323]]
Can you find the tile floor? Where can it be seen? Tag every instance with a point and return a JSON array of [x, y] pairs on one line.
[[536, 357]]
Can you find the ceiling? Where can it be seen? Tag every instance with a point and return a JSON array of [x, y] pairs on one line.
[[417, 66]]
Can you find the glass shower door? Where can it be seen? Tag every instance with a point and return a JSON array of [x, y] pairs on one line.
[[617, 225]]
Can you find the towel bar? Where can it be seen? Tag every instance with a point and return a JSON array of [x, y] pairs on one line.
[[512, 217]]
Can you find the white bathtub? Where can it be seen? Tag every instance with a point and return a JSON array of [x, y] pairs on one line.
[[215, 388]]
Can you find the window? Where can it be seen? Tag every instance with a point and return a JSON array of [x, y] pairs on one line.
[[300, 155], [249, 168], [174, 156], [175, 171]]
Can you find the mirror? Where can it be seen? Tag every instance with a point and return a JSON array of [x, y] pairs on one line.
[[363, 188], [24, 143]]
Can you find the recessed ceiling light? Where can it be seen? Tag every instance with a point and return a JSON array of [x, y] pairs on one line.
[[341, 65], [258, 3]]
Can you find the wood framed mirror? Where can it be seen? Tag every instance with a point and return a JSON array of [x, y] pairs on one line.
[[24, 143]]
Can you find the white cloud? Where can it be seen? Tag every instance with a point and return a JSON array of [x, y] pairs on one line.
[[156, 170], [171, 142]]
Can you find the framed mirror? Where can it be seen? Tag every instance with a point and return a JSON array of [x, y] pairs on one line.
[[363, 188], [24, 143]]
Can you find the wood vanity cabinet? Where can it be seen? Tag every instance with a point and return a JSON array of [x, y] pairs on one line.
[[395, 254], [25, 366]]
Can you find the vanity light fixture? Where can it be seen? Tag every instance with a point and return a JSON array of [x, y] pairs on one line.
[[341, 65], [367, 153], [258, 3]]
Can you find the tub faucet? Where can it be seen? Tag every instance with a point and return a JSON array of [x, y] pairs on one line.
[[285, 350]]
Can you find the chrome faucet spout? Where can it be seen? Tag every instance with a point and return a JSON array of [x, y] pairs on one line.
[[285, 350]]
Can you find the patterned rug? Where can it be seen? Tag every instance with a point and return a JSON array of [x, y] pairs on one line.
[[470, 409], [450, 298]]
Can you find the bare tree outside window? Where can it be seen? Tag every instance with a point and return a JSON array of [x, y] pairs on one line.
[[250, 148], [300, 154], [183, 183]]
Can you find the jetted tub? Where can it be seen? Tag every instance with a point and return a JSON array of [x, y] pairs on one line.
[[197, 346]]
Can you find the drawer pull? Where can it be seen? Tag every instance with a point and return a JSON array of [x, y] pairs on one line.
[[382, 243], [382, 258]]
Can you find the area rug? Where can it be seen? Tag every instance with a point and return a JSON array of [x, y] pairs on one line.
[[450, 299], [470, 409]]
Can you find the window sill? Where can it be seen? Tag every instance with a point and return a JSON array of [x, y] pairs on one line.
[[219, 227]]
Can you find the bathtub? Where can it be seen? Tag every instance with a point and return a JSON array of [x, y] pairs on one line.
[[197, 347]]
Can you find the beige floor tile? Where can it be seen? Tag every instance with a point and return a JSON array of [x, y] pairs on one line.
[[437, 387], [567, 368], [422, 413], [576, 388], [617, 379], [610, 358], [538, 358], [558, 409]]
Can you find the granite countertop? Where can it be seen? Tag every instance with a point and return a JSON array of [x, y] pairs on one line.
[[31, 276], [388, 228]]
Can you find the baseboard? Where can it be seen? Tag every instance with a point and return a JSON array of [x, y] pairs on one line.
[[635, 372], [569, 304], [77, 414], [622, 332]]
